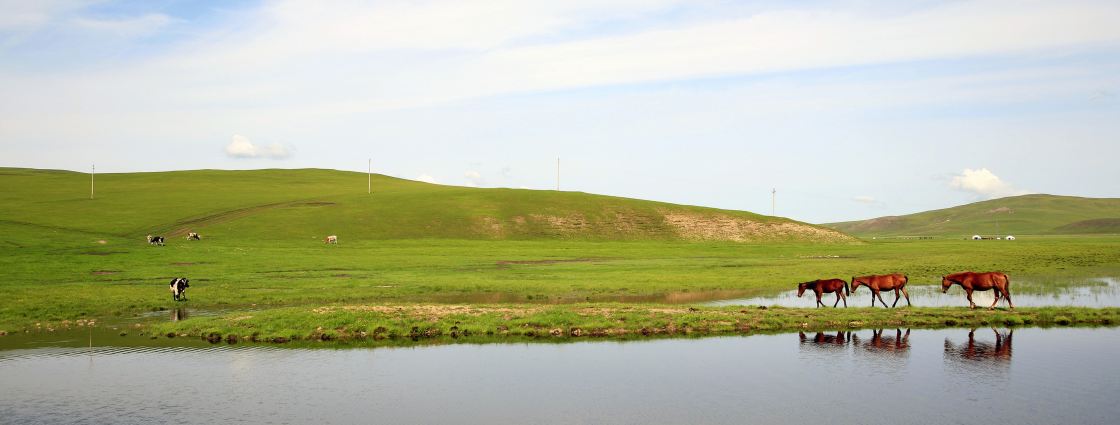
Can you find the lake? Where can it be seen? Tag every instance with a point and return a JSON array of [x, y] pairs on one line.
[[1031, 375]]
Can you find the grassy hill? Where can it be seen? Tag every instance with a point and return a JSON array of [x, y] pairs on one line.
[[1027, 214], [312, 203]]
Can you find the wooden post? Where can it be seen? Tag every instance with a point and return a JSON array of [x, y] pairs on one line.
[[93, 170]]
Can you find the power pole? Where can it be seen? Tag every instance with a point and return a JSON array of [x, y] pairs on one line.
[[774, 203], [93, 170], [557, 174], [369, 176], [997, 229]]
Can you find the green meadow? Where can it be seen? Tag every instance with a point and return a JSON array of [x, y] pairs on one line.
[[64, 257]]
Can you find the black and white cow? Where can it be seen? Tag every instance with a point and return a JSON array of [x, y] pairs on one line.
[[158, 240], [179, 288], [194, 236]]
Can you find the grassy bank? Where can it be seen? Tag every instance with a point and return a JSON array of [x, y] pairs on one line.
[[343, 322], [77, 279]]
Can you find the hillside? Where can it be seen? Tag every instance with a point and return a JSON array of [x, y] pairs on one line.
[[312, 203], [1027, 214]]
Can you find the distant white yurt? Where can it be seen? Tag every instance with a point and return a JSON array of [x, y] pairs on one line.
[[1010, 238], [976, 237]]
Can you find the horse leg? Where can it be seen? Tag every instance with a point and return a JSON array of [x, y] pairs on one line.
[[907, 297], [873, 292], [819, 303], [896, 297], [838, 294], [845, 297], [880, 295], [970, 303]]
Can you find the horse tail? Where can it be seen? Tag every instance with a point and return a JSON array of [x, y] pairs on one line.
[[905, 280], [846, 291]]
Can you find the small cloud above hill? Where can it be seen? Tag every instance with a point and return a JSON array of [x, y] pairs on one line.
[[475, 178], [865, 198], [241, 147], [426, 179], [983, 183]]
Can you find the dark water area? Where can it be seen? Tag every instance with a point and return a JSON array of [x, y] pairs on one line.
[[1026, 375]]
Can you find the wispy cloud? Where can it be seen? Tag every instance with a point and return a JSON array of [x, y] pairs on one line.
[[1101, 95], [865, 198], [983, 183], [134, 26], [241, 147]]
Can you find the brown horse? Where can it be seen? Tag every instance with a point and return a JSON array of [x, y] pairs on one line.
[[822, 286], [887, 282], [979, 282]]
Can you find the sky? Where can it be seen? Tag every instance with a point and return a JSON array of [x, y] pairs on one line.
[[821, 111]]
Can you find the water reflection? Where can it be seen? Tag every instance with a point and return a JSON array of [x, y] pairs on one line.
[[588, 381], [982, 357], [178, 314], [897, 346]]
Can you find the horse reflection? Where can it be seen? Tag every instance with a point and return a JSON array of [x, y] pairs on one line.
[[974, 352], [822, 338], [178, 314], [883, 346]]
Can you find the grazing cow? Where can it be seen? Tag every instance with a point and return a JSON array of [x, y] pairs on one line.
[[193, 235], [179, 288], [157, 240], [998, 282], [875, 283], [331, 239]]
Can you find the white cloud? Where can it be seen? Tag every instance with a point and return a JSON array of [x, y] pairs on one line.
[[1101, 95], [475, 178], [865, 198], [241, 147], [983, 183], [524, 187], [426, 179]]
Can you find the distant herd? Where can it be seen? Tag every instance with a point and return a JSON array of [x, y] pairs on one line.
[[969, 281]]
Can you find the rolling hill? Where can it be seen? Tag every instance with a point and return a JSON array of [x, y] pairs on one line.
[[1017, 215], [314, 203]]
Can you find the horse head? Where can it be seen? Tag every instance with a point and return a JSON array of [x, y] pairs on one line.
[[856, 283], [946, 282], [801, 288]]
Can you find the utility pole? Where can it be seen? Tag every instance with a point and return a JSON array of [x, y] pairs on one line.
[[774, 203], [557, 174], [997, 229], [93, 170], [369, 176]]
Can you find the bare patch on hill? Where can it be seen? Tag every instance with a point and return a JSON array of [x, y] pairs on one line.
[[999, 210], [880, 224], [699, 227]]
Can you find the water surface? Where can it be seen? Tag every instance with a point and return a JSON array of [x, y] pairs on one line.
[[1029, 375]]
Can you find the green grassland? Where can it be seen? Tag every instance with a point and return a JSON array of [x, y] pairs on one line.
[[64, 257], [1017, 215]]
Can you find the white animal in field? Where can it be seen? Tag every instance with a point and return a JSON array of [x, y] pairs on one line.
[[331, 239], [194, 236]]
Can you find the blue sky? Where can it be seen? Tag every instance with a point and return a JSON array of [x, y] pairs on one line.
[[850, 109]]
